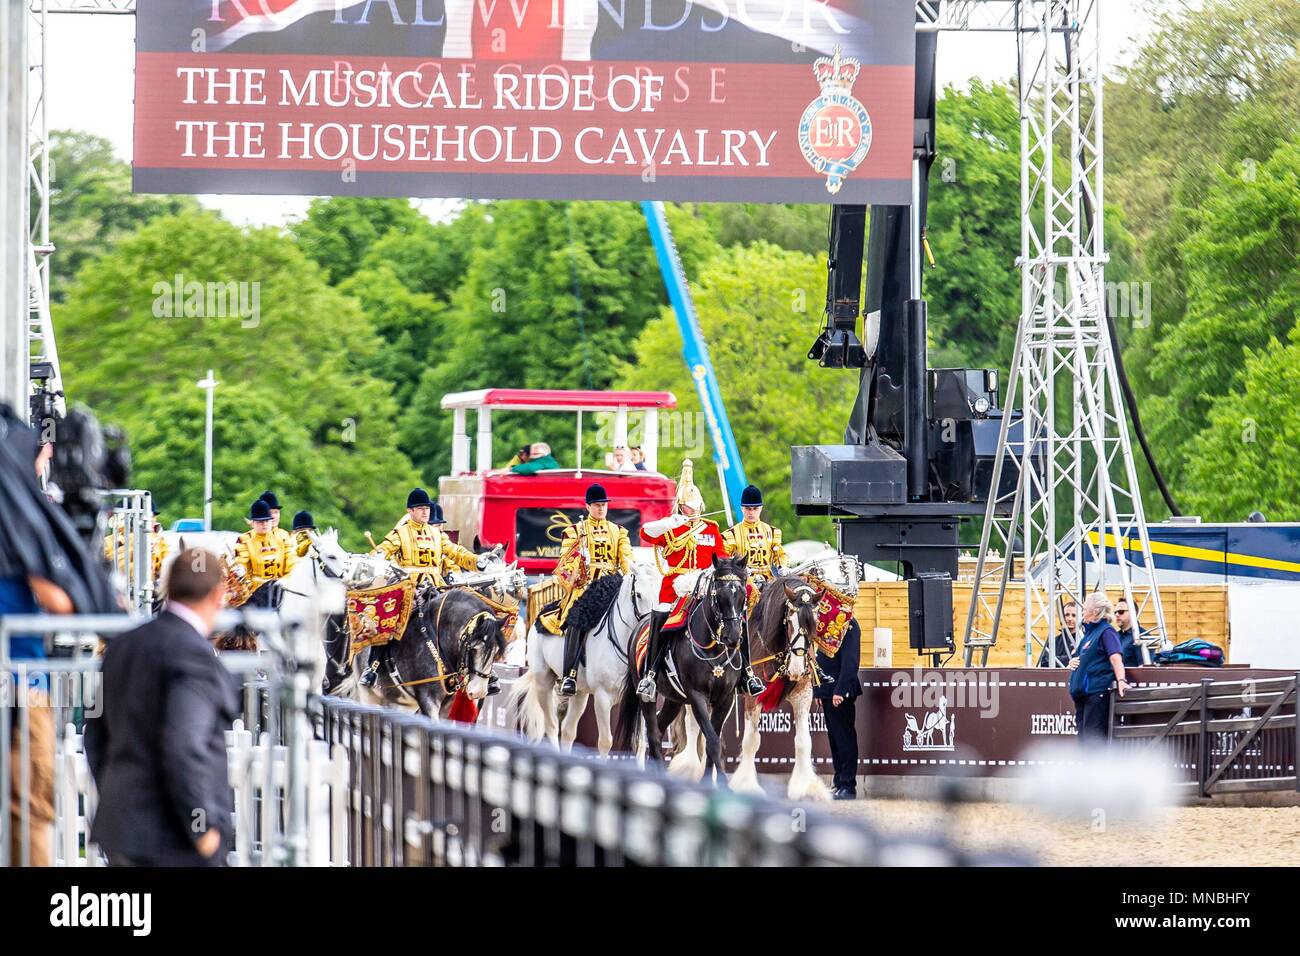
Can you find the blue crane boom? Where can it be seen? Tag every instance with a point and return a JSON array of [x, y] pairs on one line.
[[726, 456]]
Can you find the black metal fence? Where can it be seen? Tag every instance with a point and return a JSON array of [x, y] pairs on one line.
[[424, 793], [1220, 736]]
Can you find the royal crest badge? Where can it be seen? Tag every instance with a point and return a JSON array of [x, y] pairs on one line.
[[835, 129]]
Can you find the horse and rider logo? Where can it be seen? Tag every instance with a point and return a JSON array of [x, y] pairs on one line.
[[921, 735], [835, 129]]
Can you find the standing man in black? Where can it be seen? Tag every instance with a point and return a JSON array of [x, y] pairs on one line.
[[838, 693], [157, 750]]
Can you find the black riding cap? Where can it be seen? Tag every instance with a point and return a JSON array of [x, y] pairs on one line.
[[303, 519], [260, 511], [271, 500], [418, 498], [435, 514], [751, 497], [596, 495]]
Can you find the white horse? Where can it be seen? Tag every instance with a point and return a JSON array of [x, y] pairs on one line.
[[534, 704]]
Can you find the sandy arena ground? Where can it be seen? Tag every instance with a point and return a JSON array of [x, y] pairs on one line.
[[1186, 836]]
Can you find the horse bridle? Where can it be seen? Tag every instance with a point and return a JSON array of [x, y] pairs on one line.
[[630, 578], [806, 593], [463, 644], [723, 619]]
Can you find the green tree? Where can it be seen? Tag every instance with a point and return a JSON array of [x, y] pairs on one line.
[[1244, 458], [802, 228], [973, 224], [775, 397], [253, 444], [410, 324], [337, 232], [1243, 291], [301, 356], [433, 257], [91, 204]]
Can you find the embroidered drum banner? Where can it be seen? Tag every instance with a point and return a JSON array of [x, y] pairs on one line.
[[379, 615], [834, 616], [712, 100]]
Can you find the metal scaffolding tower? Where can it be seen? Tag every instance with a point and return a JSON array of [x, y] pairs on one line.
[[28, 353], [1076, 500]]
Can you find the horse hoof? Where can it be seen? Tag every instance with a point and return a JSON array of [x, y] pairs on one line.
[[808, 790]]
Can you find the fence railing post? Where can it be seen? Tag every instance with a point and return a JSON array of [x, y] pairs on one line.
[[1203, 751]]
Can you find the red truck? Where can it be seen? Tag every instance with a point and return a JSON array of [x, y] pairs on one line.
[[487, 506]]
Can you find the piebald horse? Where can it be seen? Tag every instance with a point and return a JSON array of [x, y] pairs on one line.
[[781, 630]]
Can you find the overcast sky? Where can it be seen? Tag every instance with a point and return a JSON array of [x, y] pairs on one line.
[[90, 83]]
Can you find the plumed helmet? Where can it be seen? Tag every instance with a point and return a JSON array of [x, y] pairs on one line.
[[687, 493]]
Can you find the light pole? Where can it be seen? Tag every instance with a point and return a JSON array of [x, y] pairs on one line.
[[209, 384]]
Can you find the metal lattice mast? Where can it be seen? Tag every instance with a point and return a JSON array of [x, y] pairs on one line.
[[1077, 493], [27, 337], [43, 354]]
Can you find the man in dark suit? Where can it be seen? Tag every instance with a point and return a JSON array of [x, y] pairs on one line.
[[157, 750], [838, 694]]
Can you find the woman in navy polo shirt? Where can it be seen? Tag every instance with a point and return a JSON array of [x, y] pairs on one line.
[[1098, 663]]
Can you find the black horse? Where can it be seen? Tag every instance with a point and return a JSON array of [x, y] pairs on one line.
[[702, 667], [450, 643]]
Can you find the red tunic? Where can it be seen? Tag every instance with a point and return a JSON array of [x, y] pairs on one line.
[[708, 543]]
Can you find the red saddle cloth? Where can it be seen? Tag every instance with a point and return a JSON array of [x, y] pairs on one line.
[[642, 646], [679, 615]]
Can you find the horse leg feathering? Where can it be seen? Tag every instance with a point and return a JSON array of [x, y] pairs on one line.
[[745, 777], [804, 782]]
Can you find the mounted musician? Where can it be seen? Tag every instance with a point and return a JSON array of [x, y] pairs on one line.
[[685, 544], [117, 540], [590, 550], [273, 503], [755, 540], [262, 557], [420, 547], [304, 526]]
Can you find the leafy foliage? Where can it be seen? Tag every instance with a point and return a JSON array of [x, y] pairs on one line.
[[294, 372]]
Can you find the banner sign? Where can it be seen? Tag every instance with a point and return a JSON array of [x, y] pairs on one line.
[[540, 531], [710, 100]]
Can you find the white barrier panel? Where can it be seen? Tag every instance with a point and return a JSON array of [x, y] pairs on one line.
[[259, 800], [1263, 625]]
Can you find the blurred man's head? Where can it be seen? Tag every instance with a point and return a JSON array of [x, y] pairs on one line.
[[1122, 620], [195, 580], [1070, 613]]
